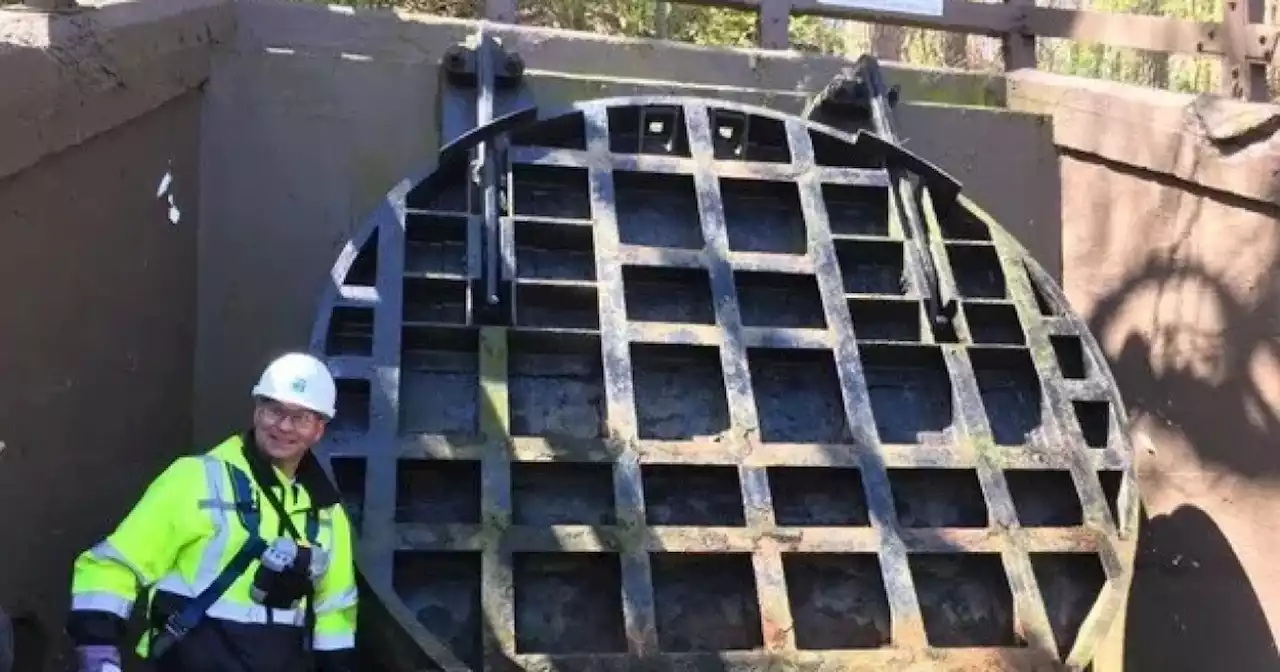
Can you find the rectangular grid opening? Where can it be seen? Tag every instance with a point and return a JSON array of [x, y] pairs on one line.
[[562, 493], [964, 599], [747, 137], [554, 251], [564, 132], [886, 320], [364, 268], [1110, 480], [435, 244], [557, 304], [692, 495], [438, 367], [349, 476], [1070, 584], [818, 497], [679, 391], [872, 266], [995, 324], [568, 603], [445, 190], [654, 129], [706, 602], [352, 405], [854, 210], [551, 191], [1069, 351], [767, 299], [763, 216], [555, 385], [350, 332], [977, 272], [910, 391], [664, 294], [656, 209], [1011, 394], [838, 600], [1095, 422], [438, 492], [798, 396], [938, 498], [1045, 498], [443, 590], [958, 223], [835, 153], [435, 300]]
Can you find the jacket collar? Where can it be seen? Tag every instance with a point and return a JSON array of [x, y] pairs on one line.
[[310, 474]]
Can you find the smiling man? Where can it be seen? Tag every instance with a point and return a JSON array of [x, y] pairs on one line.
[[245, 551]]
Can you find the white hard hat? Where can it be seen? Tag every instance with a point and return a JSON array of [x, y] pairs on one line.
[[299, 379]]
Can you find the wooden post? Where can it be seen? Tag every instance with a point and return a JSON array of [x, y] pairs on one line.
[[773, 27], [1019, 49], [502, 11]]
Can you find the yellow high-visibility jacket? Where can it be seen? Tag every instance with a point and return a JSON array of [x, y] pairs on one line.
[[180, 536]]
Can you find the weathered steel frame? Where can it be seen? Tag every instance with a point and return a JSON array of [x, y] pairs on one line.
[[969, 446]]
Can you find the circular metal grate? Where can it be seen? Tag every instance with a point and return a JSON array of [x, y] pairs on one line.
[[715, 429]]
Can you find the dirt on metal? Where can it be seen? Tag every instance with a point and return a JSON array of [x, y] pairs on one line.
[[712, 427]]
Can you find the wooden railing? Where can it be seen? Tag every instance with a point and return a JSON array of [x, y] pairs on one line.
[[1246, 45]]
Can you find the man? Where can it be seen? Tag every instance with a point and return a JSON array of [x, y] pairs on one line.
[[233, 585]]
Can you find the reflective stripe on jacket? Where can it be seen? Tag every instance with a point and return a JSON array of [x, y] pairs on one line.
[[178, 538]]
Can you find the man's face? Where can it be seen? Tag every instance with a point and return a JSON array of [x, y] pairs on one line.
[[286, 432]]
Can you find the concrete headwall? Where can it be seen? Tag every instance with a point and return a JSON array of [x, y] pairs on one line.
[[1170, 237], [99, 135], [132, 339]]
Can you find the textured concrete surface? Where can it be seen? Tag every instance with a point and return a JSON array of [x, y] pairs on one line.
[[96, 348], [70, 77], [1179, 287]]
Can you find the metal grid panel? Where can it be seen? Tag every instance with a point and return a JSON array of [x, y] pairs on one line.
[[562, 491]]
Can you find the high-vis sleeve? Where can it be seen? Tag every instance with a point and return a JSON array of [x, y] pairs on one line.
[[335, 630], [106, 578]]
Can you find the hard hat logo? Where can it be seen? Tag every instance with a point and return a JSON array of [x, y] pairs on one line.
[[300, 385]]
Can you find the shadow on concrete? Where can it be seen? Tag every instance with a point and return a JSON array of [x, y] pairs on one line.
[[1191, 606], [1193, 362]]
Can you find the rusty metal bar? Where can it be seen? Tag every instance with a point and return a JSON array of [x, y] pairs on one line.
[[640, 621], [537, 449]]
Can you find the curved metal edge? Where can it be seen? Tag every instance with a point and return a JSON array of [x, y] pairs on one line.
[[1104, 616], [331, 295], [505, 124]]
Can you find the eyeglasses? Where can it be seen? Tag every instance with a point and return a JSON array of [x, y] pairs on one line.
[[275, 414]]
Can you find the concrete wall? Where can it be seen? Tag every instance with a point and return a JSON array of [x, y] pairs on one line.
[[283, 125], [98, 330], [1171, 231]]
